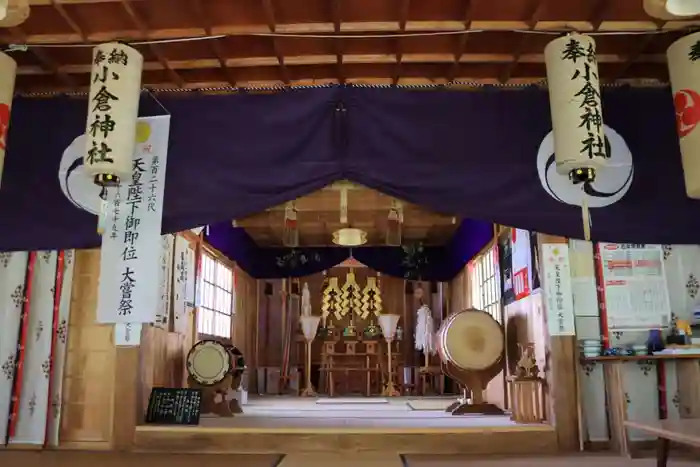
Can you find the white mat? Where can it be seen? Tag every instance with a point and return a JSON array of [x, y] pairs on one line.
[[351, 400], [430, 404], [341, 460]]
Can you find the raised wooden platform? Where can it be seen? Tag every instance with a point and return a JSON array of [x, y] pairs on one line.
[[285, 426], [473, 441]]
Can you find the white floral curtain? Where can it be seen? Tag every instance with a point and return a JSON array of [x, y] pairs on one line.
[[34, 312]]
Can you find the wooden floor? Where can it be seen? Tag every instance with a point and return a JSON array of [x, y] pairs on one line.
[[111, 459], [280, 425]]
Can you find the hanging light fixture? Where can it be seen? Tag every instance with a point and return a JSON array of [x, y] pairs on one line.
[[684, 70], [349, 237], [669, 10], [577, 114], [113, 108], [13, 12], [8, 71]]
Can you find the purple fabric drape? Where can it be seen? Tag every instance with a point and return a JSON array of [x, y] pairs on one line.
[[443, 263], [469, 154]]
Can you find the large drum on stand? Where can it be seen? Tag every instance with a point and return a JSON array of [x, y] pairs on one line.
[[216, 368], [471, 345]]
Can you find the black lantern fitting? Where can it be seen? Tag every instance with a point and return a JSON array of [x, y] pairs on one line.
[[106, 180], [582, 175]]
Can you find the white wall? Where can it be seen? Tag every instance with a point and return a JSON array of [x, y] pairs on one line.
[[682, 267]]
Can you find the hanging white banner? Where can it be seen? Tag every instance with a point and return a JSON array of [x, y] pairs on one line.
[[131, 243], [557, 289], [183, 266]]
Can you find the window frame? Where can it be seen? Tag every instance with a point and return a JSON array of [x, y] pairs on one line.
[[485, 282], [216, 296]]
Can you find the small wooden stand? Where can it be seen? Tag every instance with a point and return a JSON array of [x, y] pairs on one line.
[[474, 381], [214, 398], [526, 399]]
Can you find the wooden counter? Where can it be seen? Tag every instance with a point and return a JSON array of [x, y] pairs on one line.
[[688, 373]]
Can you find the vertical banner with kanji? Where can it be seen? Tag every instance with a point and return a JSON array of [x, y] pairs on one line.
[[557, 289], [131, 243]]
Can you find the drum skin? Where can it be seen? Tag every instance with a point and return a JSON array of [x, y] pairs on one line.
[[471, 340], [209, 362]]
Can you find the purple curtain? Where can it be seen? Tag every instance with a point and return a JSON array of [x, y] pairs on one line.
[[469, 154], [441, 263]]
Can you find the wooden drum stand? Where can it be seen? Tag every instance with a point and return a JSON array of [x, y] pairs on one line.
[[471, 345], [216, 369]]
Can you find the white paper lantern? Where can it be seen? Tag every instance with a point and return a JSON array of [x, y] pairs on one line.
[[8, 71], [574, 100], [684, 71], [113, 108]]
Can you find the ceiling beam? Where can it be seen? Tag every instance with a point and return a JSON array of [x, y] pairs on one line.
[[214, 45], [46, 63], [642, 45], [255, 62], [154, 48], [336, 14], [35, 37], [536, 9], [461, 42], [272, 26], [404, 8]]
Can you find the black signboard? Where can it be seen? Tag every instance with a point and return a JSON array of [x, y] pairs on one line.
[[174, 406]]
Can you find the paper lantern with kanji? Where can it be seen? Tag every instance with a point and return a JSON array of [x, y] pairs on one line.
[[684, 71], [577, 113], [8, 71], [113, 108]]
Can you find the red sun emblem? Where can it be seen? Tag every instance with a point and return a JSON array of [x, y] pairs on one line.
[[687, 104], [4, 124]]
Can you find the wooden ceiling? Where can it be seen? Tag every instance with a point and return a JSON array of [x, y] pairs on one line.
[[318, 216], [195, 44]]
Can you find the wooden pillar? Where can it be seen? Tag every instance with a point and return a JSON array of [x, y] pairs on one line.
[[561, 379], [126, 398]]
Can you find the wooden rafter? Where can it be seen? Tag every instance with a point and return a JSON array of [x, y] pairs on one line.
[[358, 41], [598, 13], [154, 48], [47, 64], [642, 46], [72, 23], [404, 8], [272, 26], [214, 45], [462, 41], [336, 6], [536, 8]]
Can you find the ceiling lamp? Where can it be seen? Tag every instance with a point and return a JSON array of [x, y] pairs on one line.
[[349, 237], [13, 12], [669, 10]]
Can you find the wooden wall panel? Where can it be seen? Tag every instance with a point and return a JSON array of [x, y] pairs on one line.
[[561, 379], [244, 323], [90, 364]]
